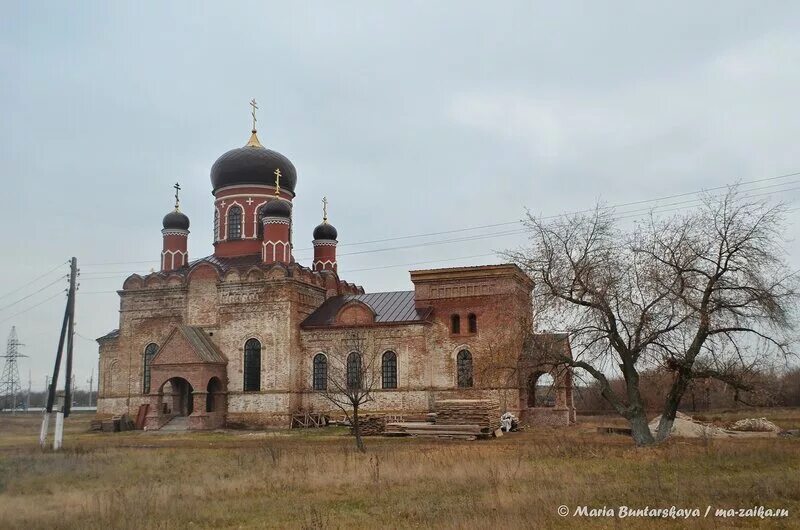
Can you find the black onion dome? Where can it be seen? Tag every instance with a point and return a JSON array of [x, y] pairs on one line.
[[277, 208], [176, 220], [253, 164], [325, 231]]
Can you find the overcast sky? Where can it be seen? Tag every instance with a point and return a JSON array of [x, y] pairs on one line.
[[411, 117]]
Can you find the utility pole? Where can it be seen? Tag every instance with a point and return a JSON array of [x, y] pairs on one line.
[[91, 380], [10, 386], [67, 330], [28, 397]]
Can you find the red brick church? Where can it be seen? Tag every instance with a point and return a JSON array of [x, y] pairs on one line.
[[242, 337]]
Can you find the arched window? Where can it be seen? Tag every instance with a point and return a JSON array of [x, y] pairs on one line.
[[216, 225], [455, 324], [464, 369], [320, 372], [389, 369], [235, 223], [354, 371], [260, 223], [472, 320], [149, 352], [252, 365]]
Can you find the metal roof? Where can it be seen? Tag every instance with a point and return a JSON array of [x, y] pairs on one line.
[[391, 307], [113, 334], [202, 344]]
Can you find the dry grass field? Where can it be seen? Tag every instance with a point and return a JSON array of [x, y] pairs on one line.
[[314, 479]]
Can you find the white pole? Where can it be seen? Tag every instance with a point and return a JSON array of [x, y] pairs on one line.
[[43, 431], [59, 431]]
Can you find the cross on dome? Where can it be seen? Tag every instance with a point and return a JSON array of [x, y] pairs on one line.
[[253, 142], [253, 112], [177, 187]]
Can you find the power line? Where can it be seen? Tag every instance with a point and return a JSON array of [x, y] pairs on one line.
[[515, 222], [21, 287], [621, 215], [620, 205], [31, 307], [33, 293]]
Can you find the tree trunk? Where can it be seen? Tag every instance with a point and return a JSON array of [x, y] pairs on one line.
[[671, 405], [636, 413], [640, 430], [357, 430]]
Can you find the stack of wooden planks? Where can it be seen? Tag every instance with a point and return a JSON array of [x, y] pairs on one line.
[[482, 412], [371, 425], [428, 430]]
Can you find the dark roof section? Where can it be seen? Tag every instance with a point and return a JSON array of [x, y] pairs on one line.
[[113, 334], [226, 264], [390, 308], [176, 220], [277, 208], [325, 231], [253, 165], [202, 344]]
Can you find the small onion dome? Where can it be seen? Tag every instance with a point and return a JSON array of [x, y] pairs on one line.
[[277, 208], [253, 164], [176, 220], [325, 231]]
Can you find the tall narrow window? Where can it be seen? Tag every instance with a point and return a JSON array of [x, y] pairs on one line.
[[235, 223], [260, 223], [389, 370], [252, 365], [320, 372], [354, 371], [455, 324], [464, 369], [216, 225], [473, 323], [149, 352]]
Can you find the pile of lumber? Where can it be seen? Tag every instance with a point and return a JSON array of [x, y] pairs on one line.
[[427, 430], [484, 413], [371, 425]]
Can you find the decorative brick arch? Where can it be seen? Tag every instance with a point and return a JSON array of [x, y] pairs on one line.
[[355, 313], [188, 354]]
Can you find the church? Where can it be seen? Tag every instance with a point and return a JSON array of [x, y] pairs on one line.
[[244, 337]]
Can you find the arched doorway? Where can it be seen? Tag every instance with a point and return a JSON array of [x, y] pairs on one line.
[[178, 396], [540, 390], [215, 396]]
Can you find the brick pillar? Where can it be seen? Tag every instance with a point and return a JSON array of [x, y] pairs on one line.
[[276, 247], [324, 255], [174, 253]]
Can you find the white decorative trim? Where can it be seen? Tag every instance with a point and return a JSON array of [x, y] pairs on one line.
[[175, 232], [239, 186], [325, 242], [226, 219], [284, 254], [277, 221], [218, 226], [172, 253], [255, 218], [323, 264]]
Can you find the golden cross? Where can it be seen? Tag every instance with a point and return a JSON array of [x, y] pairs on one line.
[[177, 187], [253, 112], [277, 181], [325, 209]]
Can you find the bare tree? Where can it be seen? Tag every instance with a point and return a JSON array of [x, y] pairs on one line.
[[353, 372], [704, 295]]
